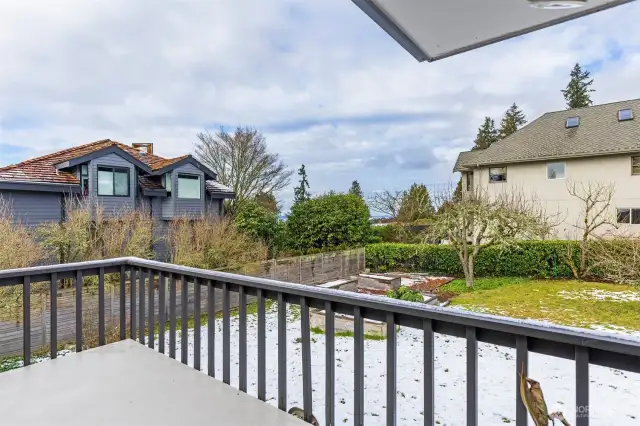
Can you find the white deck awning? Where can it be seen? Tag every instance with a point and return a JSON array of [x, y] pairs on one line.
[[435, 29]]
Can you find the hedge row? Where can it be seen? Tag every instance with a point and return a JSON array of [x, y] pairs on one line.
[[526, 259]]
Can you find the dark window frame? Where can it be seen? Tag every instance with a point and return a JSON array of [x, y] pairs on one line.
[[167, 176], [628, 215], [620, 111], [568, 126], [504, 175], [84, 179], [113, 171], [189, 176]]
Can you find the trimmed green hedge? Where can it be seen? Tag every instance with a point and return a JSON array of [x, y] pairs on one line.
[[526, 259]]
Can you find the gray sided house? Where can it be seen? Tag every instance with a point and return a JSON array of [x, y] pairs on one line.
[[117, 176]]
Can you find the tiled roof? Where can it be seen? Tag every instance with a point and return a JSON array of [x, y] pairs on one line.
[[147, 182], [42, 169], [599, 133], [214, 187]]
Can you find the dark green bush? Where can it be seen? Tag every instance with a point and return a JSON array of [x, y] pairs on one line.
[[405, 293], [525, 259]]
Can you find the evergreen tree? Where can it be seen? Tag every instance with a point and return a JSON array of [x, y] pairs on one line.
[[513, 119], [301, 192], [577, 92], [487, 134], [268, 202], [356, 190], [416, 204]]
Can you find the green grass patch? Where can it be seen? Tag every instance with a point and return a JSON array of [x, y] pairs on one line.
[[346, 333], [567, 302]]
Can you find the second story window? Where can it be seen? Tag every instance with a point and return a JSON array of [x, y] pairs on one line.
[[113, 181], [497, 174], [555, 171], [635, 165], [84, 179], [189, 186], [167, 183]]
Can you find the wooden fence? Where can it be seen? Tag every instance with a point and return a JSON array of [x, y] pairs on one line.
[[309, 270]]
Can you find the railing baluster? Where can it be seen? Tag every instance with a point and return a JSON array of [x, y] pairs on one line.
[[26, 320], [184, 338], [358, 373], [472, 377], [123, 307], [242, 318], [211, 329], [429, 392], [101, 340], [162, 317], [226, 334], [282, 353], [391, 370], [522, 355], [196, 324], [78, 311], [54, 316], [132, 302], [330, 365], [141, 300], [307, 386], [262, 337], [152, 320], [582, 386], [172, 316]]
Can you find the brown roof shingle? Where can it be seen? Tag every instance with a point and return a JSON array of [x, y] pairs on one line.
[[599, 133], [42, 169]]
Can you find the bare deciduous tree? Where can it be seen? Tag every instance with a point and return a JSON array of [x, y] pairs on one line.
[[387, 202], [595, 199], [477, 221], [241, 161]]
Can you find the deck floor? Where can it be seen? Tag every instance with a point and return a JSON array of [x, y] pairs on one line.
[[122, 384]]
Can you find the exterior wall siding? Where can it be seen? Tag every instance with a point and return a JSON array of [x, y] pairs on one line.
[[213, 206], [34, 208], [531, 180], [112, 204], [188, 207]]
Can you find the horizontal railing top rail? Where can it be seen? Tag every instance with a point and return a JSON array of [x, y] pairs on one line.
[[608, 349]]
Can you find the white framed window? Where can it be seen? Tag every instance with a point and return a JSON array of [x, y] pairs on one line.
[[469, 181], [188, 186], [497, 174], [572, 122], [113, 181], [625, 114], [628, 216], [635, 165], [555, 171]]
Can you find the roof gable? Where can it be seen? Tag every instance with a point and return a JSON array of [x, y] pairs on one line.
[[599, 133], [48, 168]]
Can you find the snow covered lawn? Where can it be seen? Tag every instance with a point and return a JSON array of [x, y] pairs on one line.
[[614, 394]]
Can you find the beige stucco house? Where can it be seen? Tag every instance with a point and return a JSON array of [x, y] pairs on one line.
[[597, 144]]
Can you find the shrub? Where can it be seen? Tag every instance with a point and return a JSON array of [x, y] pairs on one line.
[[263, 225], [212, 243], [526, 259], [18, 247], [332, 220], [405, 293], [89, 233]]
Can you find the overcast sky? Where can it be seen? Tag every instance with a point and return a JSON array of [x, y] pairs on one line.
[[325, 85]]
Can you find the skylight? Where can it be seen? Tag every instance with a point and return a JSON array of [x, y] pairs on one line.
[[572, 122], [625, 114]]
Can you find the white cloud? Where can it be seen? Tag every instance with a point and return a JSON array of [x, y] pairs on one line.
[[327, 86]]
